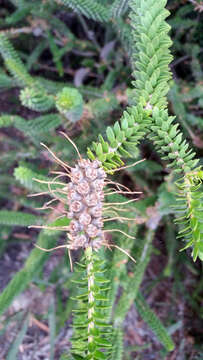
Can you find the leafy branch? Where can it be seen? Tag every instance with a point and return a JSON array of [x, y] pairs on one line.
[[91, 330], [149, 117]]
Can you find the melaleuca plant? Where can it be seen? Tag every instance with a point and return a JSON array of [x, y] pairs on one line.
[[87, 212], [98, 318]]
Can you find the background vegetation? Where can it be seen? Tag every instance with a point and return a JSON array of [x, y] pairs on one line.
[[47, 46]]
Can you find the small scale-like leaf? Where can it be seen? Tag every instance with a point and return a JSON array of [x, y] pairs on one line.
[[110, 134]]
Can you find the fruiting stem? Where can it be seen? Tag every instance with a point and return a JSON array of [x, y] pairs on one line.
[[90, 276]]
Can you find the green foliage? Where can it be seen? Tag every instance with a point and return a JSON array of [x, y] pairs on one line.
[[63, 61], [153, 322], [100, 108], [122, 138], [182, 103], [117, 350], [36, 98], [91, 330], [27, 177], [14, 63], [123, 30], [34, 95], [5, 80], [151, 55], [119, 7], [32, 128], [190, 208], [132, 285], [90, 8], [18, 218], [69, 102], [168, 140], [151, 58], [56, 53]]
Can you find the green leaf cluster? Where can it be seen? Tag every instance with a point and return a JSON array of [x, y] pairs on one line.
[[90, 8], [69, 102], [123, 138], [189, 207], [36, 98], [34, 95], [12, 218], [151, 56], [168, 140], [92, 331], [13, 62], [149, 117]]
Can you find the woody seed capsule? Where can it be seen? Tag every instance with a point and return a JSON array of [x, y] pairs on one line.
[[76, 176], [79, 241], [92, 230], [91, 199], [76, 206], [74, 226], [83, 187], [73, 195], [98, 184], [91, 173], [96, 211], [85, 218]]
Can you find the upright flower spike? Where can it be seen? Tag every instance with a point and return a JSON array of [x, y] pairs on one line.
[[85, 196]]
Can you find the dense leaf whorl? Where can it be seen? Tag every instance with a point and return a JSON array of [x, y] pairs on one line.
[[91, 339]]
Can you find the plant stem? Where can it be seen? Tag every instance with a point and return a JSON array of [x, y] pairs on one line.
[[90, 276]]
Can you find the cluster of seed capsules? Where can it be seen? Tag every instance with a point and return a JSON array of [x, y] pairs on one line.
[[85, 200]]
